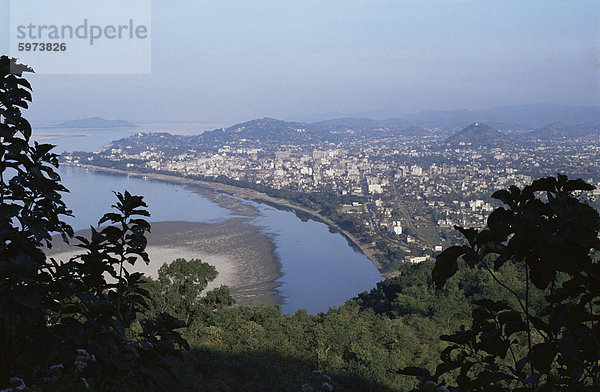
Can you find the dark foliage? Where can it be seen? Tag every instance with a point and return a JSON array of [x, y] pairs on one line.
[[553, 236], [63, 325]]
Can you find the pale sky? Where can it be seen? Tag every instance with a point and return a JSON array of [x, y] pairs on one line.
[[226, 60]]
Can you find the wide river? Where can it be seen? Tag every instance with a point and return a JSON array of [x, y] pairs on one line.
[[319, 269]]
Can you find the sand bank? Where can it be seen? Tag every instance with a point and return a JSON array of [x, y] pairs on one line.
[[241, 254]]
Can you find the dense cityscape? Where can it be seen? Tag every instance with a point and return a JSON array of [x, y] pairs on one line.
[[399, 192]]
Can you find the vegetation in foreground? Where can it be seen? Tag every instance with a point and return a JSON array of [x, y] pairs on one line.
[[531, 289], [545, 336]]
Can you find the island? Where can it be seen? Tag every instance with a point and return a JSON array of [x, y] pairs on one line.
[[96, 122]]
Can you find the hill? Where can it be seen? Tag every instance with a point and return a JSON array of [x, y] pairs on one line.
[[348, 125], [477, 134], [559, 130], [96, 122], [263, 129], [272, 130]]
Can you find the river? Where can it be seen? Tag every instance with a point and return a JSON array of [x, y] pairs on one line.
[[319, 269]]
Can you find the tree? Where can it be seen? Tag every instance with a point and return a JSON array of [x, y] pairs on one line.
[[179, 287], [63, 325], [405, 304], [30, 209], [552, 236]]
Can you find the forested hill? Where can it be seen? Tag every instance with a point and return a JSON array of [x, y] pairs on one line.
[[282, 132], [359, 346], [265, 131], [478, 134], [560, 130]]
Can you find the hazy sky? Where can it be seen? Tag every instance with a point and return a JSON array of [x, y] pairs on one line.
[[227, 60]]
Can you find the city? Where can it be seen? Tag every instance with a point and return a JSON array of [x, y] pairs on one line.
[[399, 192]]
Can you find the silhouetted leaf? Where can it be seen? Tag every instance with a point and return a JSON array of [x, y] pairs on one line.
[[446, 265], [469, 234], [499, 220], [541, 356], [541, 275], [504, 196], [445, 367], [578, 185], [110, 216], [499, 261], [547, 184]]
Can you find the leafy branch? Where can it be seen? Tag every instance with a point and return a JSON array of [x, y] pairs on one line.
[[547, 231]]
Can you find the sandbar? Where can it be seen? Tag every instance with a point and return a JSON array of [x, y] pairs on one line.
[[243, 256]]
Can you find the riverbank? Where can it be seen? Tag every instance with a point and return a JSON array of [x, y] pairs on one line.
[[248, 194], [242, 255]]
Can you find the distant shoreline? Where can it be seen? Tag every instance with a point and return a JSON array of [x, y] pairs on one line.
[[243, 193]]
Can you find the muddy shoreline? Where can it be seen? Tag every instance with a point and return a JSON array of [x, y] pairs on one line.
[[243, 255]]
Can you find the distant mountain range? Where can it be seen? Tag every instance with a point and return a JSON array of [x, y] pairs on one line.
[[278, 132], [517, 118], [514, 118], [274, 130], [560, 130], [96, 122], [467, 127], [477, 133], [523, 117]]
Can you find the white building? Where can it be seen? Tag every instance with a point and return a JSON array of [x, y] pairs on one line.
[[396, 227], [416, 170], [416, 259], [375, 188], [306, 170]]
